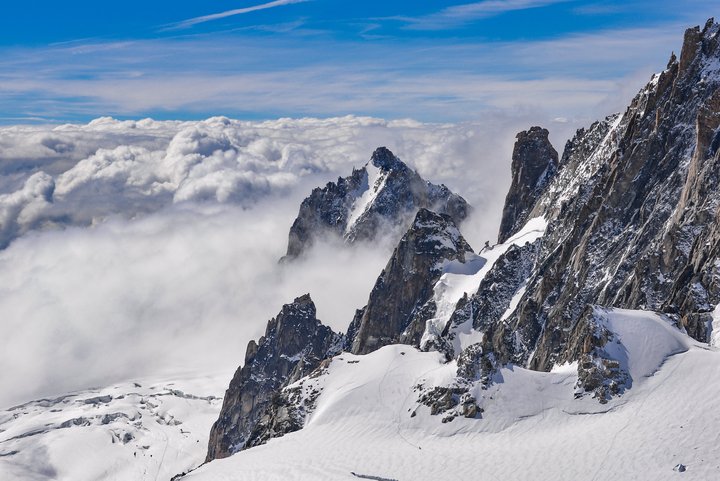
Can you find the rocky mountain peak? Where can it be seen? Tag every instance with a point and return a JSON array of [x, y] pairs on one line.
[[627, 222], [631, 212], [534, 164], [379, 199], [401, 300], [302, 307], [384, 159], [436, 235], [698, 43], [294, 344]]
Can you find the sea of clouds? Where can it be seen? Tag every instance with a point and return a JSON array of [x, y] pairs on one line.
[[134, 248]]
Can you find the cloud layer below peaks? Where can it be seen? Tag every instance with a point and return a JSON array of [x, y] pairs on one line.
[[78, 175]]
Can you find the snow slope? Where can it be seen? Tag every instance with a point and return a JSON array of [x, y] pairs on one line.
[[144, 430], [375, 182], [532, 426], [465, 278], [650, 337]]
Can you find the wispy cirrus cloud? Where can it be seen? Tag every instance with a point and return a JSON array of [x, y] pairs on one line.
[[458, 15], [230, 13], [201, 76]]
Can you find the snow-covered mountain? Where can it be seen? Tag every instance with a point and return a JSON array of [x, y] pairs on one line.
[[581, 346], [368, 422], [632, 220], [140, 430], [379, 199], [294, 344], [624, 220]]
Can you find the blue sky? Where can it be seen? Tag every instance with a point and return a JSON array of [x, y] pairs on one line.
[[255, 59]]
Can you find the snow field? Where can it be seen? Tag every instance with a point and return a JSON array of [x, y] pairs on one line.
[[532, 427]]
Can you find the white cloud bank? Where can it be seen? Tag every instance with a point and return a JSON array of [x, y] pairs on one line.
[[140, 247], [51, 177]]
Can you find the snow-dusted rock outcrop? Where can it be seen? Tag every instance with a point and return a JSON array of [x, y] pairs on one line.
[[294, 344], [142, 429], [625, 347], [382, 197], [401, 300], [370, 418], [534, 164]]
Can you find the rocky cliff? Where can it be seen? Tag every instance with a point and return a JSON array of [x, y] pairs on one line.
[[534, 164], [294, 344], [381, 197], [400, 301], [632, 219]]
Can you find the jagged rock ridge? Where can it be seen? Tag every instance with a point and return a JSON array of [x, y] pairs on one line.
[[381, 197], [259, 405], [489, 305], [400, 301], [294, 344], [633, 219], [534, 164]]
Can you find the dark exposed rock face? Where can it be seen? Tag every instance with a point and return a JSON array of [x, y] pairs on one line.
[[382, 196], [294, 344], [534, 164], [633, 220], [398, 303], [492, 299], [353, 328], [473, 364], [286, 411]]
